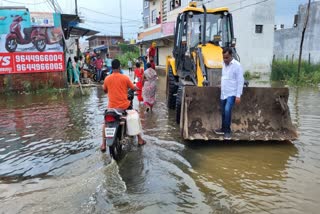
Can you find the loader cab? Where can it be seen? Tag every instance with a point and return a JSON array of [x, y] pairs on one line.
[[196, 27]]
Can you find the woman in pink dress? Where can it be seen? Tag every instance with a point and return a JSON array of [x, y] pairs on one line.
[[149, 87]]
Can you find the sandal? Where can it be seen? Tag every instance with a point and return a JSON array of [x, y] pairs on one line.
[[141, 144]]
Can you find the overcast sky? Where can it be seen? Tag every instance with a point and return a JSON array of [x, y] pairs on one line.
[[104, 15]]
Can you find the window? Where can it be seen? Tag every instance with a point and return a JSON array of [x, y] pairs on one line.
[[153, 16], [217, 30], [146, 4], [102, 42], [146, 22], [259, 28], [175, 4]]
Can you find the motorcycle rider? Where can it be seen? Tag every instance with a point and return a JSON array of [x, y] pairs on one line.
[[116, 86]]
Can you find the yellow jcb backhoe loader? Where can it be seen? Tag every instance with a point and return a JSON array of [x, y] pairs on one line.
[[193, 77]]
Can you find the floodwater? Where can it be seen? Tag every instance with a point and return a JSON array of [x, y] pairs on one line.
[[50, 162]]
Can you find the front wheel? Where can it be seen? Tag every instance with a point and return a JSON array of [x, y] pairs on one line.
[[171, 89], [40, 45], [116, 149], [94, 77], [11, 45], [178, 104]]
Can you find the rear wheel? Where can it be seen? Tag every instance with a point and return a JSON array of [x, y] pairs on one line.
[[178, 104], [116, 149], [171, 89]]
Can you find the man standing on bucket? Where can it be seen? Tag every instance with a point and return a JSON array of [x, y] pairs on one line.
[[231, 90]]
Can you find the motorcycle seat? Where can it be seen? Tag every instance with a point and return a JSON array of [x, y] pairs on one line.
[[27, 33], [118, 111]]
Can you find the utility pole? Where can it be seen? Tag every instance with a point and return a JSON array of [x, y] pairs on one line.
[[302, 38], [121, 28], [76, 6], [54, 6]]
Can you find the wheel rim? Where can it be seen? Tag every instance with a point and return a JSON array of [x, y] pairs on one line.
[[12, 44], [41, 44]]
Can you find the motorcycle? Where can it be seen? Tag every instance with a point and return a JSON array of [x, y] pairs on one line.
[[15, 36], [93, 71], [116, 128]]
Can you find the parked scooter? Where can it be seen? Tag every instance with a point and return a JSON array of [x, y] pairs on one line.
[[30, 35], [93, 71], [116, 129]]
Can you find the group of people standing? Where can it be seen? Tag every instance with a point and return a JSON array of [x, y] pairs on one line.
[[74, 69]]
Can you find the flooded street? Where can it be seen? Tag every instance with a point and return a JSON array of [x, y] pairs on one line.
[[50, 162]]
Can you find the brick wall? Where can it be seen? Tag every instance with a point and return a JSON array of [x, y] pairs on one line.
[[32, 81]]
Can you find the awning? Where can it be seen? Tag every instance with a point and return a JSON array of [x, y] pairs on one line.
[[154, 38], [79, 31], [100, 48], [70, 25]]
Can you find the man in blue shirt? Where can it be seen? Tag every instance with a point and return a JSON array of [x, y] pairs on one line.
[[231, 90], [108, 62]]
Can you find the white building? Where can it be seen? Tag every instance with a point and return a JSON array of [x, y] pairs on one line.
[[253, 27], [287, 41]]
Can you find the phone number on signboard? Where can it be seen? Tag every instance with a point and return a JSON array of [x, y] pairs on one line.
[[39, 58], [39, 67]]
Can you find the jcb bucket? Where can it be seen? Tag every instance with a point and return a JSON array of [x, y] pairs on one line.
[[263, 114]]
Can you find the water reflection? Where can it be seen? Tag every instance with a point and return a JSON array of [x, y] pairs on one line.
[[39, 134]]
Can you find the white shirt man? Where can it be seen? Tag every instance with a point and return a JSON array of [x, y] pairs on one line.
[[231, 90], [232, 80]]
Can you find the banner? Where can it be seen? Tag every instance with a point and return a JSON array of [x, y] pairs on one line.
[[29, 45], [31, 62], [42, 19]]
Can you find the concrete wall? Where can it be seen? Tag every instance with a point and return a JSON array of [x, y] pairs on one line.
[[32, 81], [255, 49], [71, 48], [287, 41], [146, 12], [165, 51]]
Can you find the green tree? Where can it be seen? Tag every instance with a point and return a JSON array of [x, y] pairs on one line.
[[128, 52]]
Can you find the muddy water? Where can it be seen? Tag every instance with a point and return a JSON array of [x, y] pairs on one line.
[[50, 162]]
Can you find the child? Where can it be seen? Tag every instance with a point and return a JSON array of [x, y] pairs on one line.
[[138, 74]]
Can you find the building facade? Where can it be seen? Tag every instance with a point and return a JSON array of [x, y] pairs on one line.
[[253, 22], [105, 44], [287, 41]]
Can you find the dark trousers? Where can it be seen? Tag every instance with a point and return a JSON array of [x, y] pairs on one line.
[[226, 112], [99, 74]]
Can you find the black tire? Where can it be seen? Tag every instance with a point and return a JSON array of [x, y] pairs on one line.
[[40, 45], [178, 104], [171, 89], [116, 150], [11, 45]]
